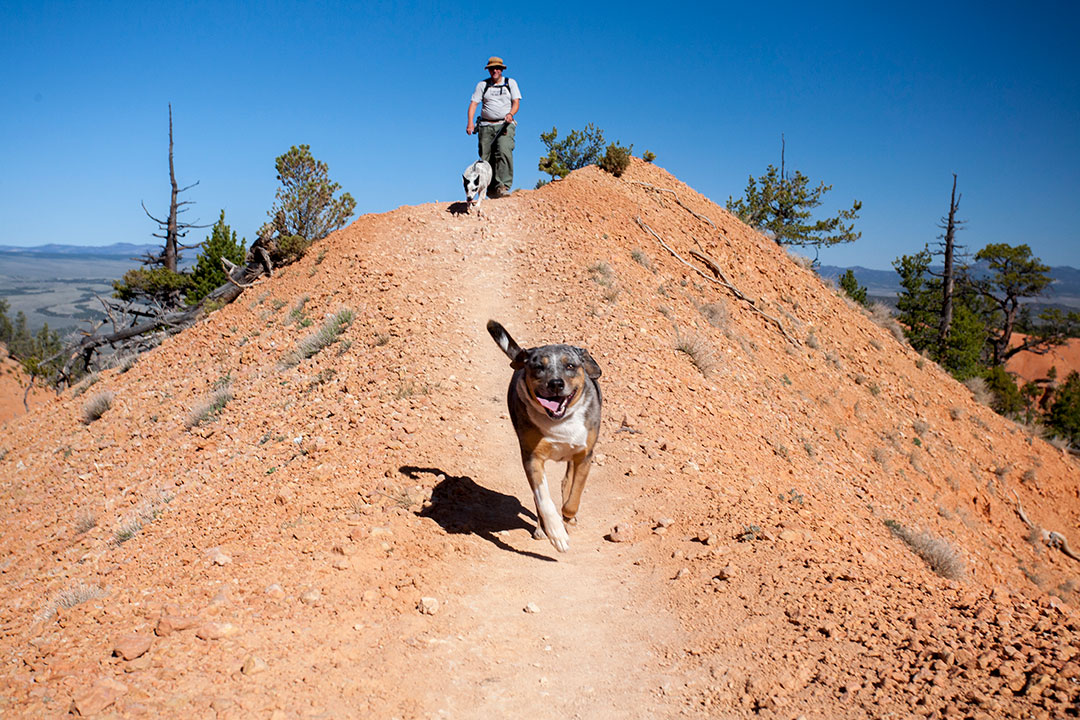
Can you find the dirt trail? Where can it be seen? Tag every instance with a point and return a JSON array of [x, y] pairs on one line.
[[536, 634], [273, 560]]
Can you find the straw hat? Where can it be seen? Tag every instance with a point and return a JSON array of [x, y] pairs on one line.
[[495, 62]]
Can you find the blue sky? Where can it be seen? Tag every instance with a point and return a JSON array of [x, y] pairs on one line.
[[883, 104]]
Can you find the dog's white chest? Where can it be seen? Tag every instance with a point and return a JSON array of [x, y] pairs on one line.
[[568, 437]]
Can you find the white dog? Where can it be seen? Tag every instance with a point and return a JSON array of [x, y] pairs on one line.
[[476, 179]]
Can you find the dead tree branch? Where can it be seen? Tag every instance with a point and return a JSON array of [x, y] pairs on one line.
[[720, 280], [1050, 537]]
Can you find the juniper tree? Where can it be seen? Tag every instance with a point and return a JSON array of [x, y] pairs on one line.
[[1015, 275], [208, 273], [852, 289], [304, 205], [782, 204]]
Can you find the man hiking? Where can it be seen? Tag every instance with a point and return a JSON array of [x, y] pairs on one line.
[[499, 100]]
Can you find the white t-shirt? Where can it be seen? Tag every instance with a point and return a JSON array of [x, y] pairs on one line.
[[496, 102]]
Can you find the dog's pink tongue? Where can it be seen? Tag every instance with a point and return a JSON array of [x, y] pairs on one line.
[[550, 405]]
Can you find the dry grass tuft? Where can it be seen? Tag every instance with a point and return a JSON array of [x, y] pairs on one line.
[[882, 315], [69, 598], [322, 338], [716, 313], [979, 390], [938, 553], [699, 350], [97, 406], [210, 408]]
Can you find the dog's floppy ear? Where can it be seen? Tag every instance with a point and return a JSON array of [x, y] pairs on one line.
[[587, 362]]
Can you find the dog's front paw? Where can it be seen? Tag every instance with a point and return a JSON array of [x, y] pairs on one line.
[[561, 541], [539, 534]]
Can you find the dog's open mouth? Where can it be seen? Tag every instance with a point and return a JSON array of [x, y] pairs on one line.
[[555, 406]]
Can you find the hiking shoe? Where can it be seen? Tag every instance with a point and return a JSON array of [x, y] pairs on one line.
[[498, 191]]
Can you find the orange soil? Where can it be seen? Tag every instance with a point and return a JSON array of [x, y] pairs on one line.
[[287, 547]]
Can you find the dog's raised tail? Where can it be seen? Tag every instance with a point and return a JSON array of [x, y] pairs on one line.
[[503, 339]]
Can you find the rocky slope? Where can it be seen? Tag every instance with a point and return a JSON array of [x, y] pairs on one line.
[[348, 535]]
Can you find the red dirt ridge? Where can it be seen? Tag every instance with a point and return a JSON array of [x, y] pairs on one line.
[[351, 536]]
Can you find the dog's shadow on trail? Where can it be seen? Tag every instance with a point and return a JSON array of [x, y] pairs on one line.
[[458, 208], [461, 506]]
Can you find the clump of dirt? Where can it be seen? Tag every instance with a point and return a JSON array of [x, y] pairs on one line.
[[351, 535]]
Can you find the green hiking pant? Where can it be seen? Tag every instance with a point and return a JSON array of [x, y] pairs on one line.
[[498, 152]]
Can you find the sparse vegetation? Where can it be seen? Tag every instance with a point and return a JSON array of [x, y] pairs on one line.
[[85, 522], [71, 597], [780, 204], [698, 349], [208, 410], [145, 512], [322, 338], [852, 289], [750, 533], [938, 553], [648, 156], [85, 384], [716, 313], [642, 259], [97, 406]]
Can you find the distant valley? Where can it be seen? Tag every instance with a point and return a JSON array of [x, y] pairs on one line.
[[60, 284], [883, 285]]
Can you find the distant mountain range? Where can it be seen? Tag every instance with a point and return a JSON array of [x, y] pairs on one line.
[[883, 285], [116, 250]]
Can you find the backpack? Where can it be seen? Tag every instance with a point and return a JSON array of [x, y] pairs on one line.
[[504, 86]]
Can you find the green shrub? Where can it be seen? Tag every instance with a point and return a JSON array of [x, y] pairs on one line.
[[1007, 398], [208, 274], [1064, 416], [852, 289], [616, 159], [292, 247], [648, 156], [576, 150]]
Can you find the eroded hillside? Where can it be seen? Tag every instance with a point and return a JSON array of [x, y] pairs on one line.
[[349, 536]]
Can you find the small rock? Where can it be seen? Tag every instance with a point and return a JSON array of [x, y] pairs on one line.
[[284, 496], [132, 646], [622, 533], [311, 597], [340, 563], [532, 608], [664, 522], [216, 630], [253, 665], [103, 693], [275, 591], [428, 605], [218, 557], [170, 623], [683, 572], [790, 535], [727, 572]]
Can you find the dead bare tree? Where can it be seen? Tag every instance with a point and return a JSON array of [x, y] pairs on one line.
[[172, 230], [948, 286]]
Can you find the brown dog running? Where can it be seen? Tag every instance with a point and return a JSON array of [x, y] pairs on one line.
[[554, 402]]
